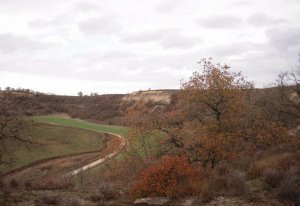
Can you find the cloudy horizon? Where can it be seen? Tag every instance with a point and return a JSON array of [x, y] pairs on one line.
[[120, 46]]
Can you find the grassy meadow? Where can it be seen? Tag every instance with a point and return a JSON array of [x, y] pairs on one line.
[[51, 141], [57, 136], [82, 124]]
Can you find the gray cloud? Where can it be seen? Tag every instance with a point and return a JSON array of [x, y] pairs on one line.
[[92, 59], [220, 22], [56, 66], [264, 65], [59, 20], [10, 43], [260, 19], [179, 41], [285, 38], [168, 5], [149, 36], [85, 6], [233, 49], [168, 38], [144, 42], [118, 54], [100, 25], [146, 36], [242, 3], [140, 68]]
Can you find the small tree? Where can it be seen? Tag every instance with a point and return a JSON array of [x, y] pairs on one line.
[[215, 94], [215, 100]]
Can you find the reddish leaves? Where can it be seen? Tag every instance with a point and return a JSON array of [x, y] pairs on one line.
[[171, 176]]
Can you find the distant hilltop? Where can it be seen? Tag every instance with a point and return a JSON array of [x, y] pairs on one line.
[[104, 108], [18, 92], [156, 96]]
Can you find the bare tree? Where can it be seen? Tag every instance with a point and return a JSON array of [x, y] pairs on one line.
[[13, 125], [289, 94]]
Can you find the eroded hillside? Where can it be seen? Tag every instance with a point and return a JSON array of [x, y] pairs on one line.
[[108, 108], [156, 96]]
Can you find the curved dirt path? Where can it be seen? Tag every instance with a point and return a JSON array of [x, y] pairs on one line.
[[69, 164], [101, 160]]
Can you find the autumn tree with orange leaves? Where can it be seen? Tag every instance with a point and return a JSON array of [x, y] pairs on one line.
[[215, 100], [214, 119]]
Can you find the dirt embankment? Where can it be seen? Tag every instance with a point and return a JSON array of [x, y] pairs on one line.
[[156, 96]]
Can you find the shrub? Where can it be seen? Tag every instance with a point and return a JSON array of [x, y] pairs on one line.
[[17, 198], [207, 193], [218, 178], [171, 176], [28, 185], [14, 183], [110, 194], [285, 163], [73, 202], [96, 197], [54, 184], [272, 178], [2, 185], [222, 168], [236, 183], [244, 161], [254, 171], [229, 181], [289, 188], [49, 200], [219, 182], [280, 162]]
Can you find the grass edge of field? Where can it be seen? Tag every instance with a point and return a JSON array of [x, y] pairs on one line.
[[63, 121]]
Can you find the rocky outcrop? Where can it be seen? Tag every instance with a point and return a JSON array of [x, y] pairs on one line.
[[156, 96]]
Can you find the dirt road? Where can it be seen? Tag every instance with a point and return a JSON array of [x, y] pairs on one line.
[[67, 165]]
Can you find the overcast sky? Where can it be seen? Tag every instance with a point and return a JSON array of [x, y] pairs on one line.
[[120, 46]]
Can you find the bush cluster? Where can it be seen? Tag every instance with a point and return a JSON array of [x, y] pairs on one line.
[[171, 176]]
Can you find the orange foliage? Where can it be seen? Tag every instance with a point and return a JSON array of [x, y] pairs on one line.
[[216, 116], [211, 149], [171, 176], [215, 104]]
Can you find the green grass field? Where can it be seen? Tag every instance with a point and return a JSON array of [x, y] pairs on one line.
[[56, 136], [51, 141], [52, 119]]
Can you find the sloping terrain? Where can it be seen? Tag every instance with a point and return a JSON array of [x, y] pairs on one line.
[[51, 141], [106, 109], [57, 166]]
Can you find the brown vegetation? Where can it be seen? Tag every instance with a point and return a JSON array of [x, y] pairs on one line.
[[170, 176], [216, 136], [216, 118]]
